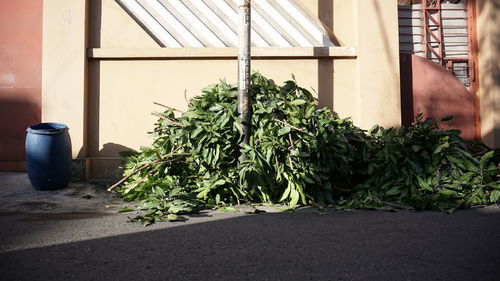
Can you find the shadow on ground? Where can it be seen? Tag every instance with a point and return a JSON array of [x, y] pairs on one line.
[[361, 245], [76, 234]]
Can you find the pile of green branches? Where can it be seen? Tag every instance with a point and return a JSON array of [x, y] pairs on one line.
[[297, 155]]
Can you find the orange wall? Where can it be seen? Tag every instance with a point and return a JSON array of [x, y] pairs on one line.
[[429, 89], [20, 76]]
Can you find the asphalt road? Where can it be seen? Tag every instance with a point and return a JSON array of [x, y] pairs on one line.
[[57, 244]]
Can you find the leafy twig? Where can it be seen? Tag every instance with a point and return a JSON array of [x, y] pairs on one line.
[[292, 144], [291, 126], [291, 163], [124, 179], [168, 119], [135, 184], [150, 174], [168, 107], [185, 96]]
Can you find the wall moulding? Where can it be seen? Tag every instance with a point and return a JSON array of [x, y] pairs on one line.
[[222, 53]]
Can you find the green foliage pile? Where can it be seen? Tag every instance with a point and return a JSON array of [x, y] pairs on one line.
[[298, 155]]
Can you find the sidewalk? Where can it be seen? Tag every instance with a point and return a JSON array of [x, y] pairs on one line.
[[76, 234]]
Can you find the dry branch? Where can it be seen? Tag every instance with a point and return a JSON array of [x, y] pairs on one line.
[[292, 144], [124, 179], [168, 119], [168, 107]]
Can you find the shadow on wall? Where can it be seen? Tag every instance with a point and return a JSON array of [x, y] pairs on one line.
[[429, 89], [106, 164], [113, 150], [325, 66], [19, 108], [20, 77], [104, 161]]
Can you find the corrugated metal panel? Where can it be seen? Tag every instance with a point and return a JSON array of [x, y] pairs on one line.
[[453, 24], [213, 23]]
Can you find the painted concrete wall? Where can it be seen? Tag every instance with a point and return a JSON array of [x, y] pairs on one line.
[[64, 67], [111, 112], [435, 92], [378, 63], [20, 77], [488, 31]]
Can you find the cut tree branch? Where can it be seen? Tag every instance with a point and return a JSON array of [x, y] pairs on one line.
[[168, 119], [287, 124], [168, 107], [292, 144], [291, 162], [124, 179]]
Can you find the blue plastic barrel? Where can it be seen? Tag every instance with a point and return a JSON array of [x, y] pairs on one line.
[[48, 156]]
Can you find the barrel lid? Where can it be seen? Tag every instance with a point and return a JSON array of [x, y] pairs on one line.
[[47, 128]]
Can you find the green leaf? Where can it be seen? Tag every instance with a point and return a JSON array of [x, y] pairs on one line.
[[298, 102], [159, 191], [495, 196], [228, 209], [283, 131], [310, 111], [219, 182], [447, 192], [294, 198], [446, 118], [424, 185], [172, 217], [196, 132], [441, 147], [125, 210], [286, 193], [393, 191], [484, 159]]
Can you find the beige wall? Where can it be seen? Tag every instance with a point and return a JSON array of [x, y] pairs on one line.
[[377, 65], [488, 23], [367, 89], [121, 91], [64, 67], [127, 90]]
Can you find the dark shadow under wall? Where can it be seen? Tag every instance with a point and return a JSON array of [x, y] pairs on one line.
[[406, 83], [20, 77], [360, 245], [325, 65], [101, 163], [19, 108]]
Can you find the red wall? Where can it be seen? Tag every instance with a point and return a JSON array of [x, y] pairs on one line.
[[20, 76], [429, 89]]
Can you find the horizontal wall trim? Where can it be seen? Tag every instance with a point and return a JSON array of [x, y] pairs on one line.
[[222, 53]]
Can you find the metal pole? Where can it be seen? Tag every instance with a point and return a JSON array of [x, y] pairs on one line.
[[244, 70]]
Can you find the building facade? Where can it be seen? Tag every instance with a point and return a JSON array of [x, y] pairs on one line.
[[104, 63]]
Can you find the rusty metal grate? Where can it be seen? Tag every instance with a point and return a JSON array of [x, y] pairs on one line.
[[439, 31]]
